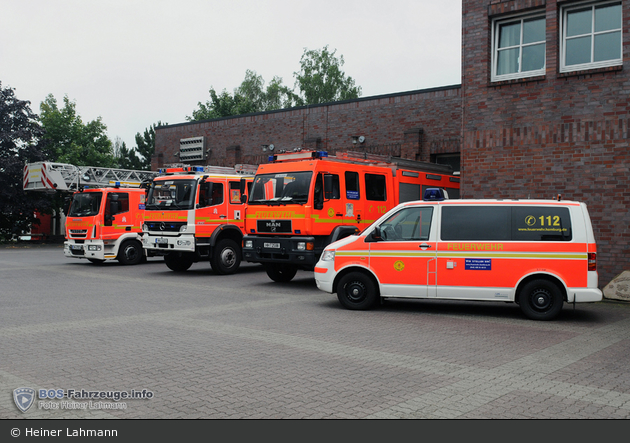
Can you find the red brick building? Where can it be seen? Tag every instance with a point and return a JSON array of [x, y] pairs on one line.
[[543, 109]]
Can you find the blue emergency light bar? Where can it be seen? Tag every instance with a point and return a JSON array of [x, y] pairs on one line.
[[434, 194]]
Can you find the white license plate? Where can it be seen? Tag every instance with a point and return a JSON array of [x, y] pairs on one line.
[[76, 247], [161, 240], [272, 245]]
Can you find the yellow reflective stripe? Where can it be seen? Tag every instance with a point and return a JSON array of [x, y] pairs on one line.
[[539, 255], [274, 215]]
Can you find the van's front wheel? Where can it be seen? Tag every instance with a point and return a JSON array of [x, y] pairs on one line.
[[356, 290], [540, 300]]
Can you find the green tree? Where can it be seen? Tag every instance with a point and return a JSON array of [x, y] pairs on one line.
[[321, 79], [251, 96], [145, 145], [69, 140], [125, 158], [20, 143]]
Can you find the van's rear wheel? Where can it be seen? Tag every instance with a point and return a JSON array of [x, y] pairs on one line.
[[177, 261], [540, 300], [357, 290]]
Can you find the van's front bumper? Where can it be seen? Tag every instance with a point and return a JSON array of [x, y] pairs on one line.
[[325, 275]]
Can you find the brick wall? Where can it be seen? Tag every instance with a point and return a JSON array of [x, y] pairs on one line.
[[415, 124], [554, 134]]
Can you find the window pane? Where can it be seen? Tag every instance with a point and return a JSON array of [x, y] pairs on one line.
[[508, 61], [579, 22], [607, 46], [533, 57], [607, 17], [534, 30], [476, 223], [509, 35], [578, 51]]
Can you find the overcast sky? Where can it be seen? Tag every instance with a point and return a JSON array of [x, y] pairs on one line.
[[137, 62]]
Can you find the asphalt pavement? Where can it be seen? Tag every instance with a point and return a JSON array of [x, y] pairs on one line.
[[197, 345]]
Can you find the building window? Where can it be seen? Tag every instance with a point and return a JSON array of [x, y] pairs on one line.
[[518, 47], [591, 36]]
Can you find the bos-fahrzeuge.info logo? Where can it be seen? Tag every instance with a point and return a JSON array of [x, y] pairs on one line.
[[24, 398]]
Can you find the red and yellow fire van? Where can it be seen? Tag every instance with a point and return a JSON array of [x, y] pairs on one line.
[[536, 253]]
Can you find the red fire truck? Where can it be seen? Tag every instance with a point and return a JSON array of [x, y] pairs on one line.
[[304, 200], [195, 213]]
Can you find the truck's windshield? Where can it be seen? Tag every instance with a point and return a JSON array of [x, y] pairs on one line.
[[281, 188], [85, 204], [171, 194]]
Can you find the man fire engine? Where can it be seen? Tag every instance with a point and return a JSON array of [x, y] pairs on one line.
[[105, 212], [196, 213], [304, 200]]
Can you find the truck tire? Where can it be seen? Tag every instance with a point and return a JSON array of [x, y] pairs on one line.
[[357, 291], [226, 257], [130, 253], [280, 273], [177, 261], [540, 300]]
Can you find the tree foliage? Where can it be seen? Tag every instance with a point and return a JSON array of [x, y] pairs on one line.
[[69, 140], [251, 96], [321, 79], [138, 158], [20, 137]]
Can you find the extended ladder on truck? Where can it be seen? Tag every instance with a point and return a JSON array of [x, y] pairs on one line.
[[51, 177]]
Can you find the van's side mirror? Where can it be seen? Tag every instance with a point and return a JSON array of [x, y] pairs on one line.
[[376, 234]]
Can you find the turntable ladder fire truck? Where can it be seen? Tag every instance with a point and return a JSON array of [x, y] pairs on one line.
[[196, 213], [304, 200], [106, 211]]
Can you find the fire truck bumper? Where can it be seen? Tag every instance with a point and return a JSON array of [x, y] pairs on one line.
[[180, 243], [92, 249], [299, 251]]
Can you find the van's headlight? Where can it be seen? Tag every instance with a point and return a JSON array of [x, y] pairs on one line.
[[328, 255]]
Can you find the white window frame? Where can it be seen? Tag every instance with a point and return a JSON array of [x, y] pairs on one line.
[[495, 47], [563, 40]]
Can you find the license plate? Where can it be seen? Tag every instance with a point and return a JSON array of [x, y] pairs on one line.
[[76, 247], [272, 245], [161, 240]]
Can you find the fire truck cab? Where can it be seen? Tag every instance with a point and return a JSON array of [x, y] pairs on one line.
[[304, 200], [196, 213]]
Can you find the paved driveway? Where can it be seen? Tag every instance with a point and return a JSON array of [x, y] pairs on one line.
[[242, 346]]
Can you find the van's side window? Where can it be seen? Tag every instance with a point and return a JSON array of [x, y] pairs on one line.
[[375, 187], [409, 224], [541, 224], [475, 223], [525, 223]]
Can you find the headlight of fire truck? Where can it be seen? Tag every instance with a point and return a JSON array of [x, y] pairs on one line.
[[94, 247], [248, 244], [184, 228], [328, 255], [145, 228], [305, 246]]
